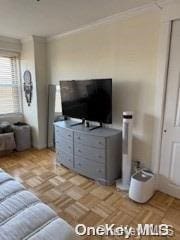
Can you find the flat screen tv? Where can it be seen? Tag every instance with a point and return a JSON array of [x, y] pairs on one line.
[[87, 99]]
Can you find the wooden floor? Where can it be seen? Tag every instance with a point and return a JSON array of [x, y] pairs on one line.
[[80, 200]]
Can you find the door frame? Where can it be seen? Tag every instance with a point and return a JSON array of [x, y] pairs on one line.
[[160, 95], [169, 14]]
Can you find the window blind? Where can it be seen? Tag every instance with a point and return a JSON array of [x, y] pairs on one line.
[[9, 85]]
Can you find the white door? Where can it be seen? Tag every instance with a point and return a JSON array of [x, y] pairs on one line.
[[170, 154]]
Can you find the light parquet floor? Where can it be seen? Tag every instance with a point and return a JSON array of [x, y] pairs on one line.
[[81, 200]]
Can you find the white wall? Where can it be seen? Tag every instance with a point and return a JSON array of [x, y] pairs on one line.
[[33, 58], [42, 91], [30, 112], [125, 50]]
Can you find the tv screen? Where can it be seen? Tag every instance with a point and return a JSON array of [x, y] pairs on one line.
[[87, 99]]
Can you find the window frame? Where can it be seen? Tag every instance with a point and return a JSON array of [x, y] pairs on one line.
[[19, 80]]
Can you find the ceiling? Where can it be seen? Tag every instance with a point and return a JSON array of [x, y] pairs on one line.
[[22, 18]]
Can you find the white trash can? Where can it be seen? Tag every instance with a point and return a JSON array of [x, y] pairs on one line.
[[142, 186], [22, 135]]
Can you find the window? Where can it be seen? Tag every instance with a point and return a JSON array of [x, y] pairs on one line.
[[58, 108], [9, 85]]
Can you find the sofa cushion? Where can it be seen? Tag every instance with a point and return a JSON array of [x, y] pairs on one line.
[[24, 216]]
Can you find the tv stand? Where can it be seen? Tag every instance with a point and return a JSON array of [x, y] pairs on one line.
[[96, 154], [96, 127], [79, 123]]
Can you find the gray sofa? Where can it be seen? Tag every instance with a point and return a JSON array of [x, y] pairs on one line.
[[23, 216]]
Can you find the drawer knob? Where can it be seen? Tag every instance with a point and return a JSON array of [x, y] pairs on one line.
[[79, 138], [69, 135], [69, 147], [100, 142], [79, 164], [79, 150]]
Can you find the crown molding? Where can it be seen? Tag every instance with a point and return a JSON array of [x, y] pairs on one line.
[[163, 3], [39, 39], [34, 38], [27, 39], [10, 44], [120, 16], [9, 40]]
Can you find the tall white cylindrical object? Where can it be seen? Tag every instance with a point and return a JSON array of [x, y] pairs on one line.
[[124, 182], [127, 148]]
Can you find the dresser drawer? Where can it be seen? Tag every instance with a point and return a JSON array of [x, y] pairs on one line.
[[64, 145], [90, 169], [65, 159], [91, 153], [89, 140], [63, 133]]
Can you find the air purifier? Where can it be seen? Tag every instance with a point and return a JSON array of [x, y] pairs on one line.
[[124, 182], [142, 186]]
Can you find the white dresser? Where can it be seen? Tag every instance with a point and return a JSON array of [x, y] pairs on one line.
[[96, 154]]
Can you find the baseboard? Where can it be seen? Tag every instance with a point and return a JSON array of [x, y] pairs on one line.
[[165, 186]]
